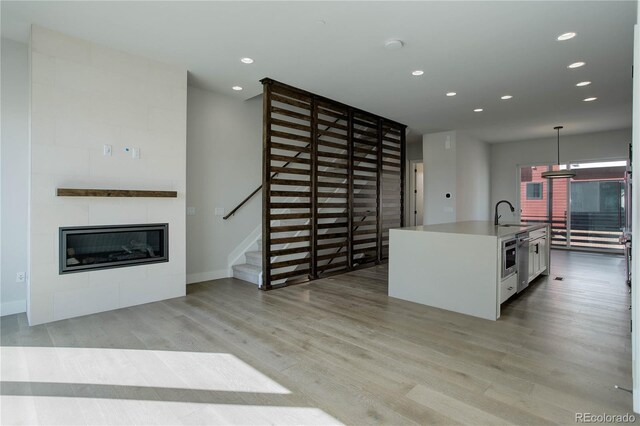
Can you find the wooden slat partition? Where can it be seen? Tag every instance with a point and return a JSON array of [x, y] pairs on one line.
[[393, 172], [333, 179]]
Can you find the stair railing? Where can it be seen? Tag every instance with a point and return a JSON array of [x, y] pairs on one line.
[[243, 202]]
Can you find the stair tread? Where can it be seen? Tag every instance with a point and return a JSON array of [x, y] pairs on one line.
[[254, 253], [246, 267]]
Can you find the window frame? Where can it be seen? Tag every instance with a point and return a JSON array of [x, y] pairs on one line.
[[541, 193]]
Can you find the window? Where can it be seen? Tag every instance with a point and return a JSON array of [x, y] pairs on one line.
[[534, 191]]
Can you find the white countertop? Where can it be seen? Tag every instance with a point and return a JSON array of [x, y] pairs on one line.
[[474, 227]]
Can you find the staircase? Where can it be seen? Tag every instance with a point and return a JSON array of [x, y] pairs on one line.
[[251, 270], [368, 159]]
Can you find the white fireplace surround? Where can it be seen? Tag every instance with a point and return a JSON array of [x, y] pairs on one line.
[[85, 96]]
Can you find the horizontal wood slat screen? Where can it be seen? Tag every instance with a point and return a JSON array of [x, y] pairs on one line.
[[339, 185]]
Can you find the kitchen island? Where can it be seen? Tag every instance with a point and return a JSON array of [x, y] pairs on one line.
[[459, 266]]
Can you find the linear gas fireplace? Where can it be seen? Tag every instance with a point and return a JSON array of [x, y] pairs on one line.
[[85, 248]]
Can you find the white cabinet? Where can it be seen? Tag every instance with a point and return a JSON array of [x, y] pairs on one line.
[[538, 248], [508, 287], [533, 268], [544, 252]]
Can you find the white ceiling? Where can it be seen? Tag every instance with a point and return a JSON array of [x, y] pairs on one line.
[[481, 50]]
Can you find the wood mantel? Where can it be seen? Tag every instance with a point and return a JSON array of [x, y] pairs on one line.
[[76, 192]]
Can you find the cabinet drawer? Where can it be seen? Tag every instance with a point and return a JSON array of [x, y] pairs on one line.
[[508, 287]]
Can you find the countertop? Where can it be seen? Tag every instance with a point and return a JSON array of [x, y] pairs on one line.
[[475, 227]]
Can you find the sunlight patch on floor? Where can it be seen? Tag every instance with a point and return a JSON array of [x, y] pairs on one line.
[[132, 367], [96, 411]]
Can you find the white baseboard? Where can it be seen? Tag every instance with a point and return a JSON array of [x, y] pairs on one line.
[[207, 276], [15, 307]]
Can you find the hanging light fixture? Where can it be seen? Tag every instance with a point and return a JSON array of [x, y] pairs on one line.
[[559, 174]]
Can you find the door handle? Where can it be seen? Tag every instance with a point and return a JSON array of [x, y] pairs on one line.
[[537, 248]]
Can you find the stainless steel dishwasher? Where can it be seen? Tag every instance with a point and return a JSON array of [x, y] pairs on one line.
[[523, 260]]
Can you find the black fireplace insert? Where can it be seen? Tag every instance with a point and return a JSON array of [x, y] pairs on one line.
[[84, 248]]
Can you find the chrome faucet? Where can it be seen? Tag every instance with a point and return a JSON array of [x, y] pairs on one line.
[[496, 216]]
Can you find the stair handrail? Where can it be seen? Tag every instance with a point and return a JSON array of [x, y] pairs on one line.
[[243, 202], [255, 191]]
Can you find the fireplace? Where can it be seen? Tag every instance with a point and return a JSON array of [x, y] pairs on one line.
[[87, 248]]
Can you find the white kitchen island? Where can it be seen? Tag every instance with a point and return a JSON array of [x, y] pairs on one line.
[[456, 266]]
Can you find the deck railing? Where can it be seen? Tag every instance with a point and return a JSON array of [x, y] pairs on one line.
[[598, 231]]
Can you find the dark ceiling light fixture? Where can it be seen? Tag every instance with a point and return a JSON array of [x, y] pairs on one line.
[[559, 174]]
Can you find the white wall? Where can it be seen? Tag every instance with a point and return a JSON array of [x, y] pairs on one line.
[[506, 157], [457, 164], [439, 158], [15, 174], [414, 147], [224, 165], [635, 340], [84, 96], [472, 178]]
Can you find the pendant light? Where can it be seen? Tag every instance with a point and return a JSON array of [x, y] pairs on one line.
[[558, 174]]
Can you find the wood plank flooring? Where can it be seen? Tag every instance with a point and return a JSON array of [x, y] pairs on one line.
[[334, 350]]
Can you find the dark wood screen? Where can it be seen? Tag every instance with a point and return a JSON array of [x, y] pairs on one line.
[[333, 185]]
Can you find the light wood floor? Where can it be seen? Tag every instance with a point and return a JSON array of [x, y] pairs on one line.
[[337, 349]]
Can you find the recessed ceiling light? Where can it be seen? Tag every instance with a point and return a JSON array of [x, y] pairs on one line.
[[576, 65], [566, 36], [451, 93], [393, 44], [583, 83], [246, 60], [478, 110], [590, 99], [417, 72], [505, 97], [237, 88]]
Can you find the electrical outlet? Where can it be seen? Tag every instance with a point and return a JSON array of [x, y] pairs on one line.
[[136, 153], [20, 277], [218, 211]]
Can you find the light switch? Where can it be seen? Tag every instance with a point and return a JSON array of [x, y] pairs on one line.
[[136, 153], [447, 143], [106, 150], [191, 211]]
